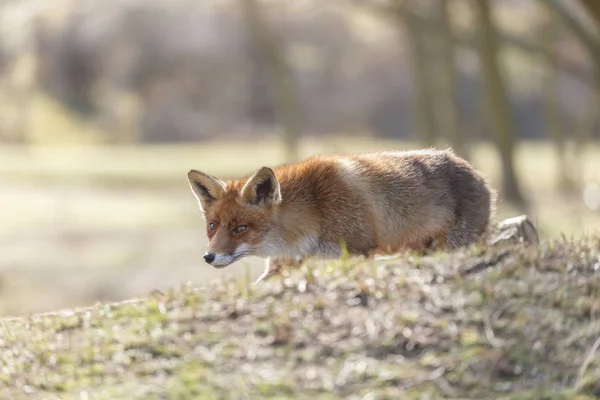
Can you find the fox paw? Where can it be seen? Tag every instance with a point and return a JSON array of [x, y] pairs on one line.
[[274, 267], [266, 275]]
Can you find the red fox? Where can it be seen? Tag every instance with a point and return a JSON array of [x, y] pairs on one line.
[[371, 203]]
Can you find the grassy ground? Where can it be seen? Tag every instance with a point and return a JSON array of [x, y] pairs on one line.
[[87, 224], [404, 328]]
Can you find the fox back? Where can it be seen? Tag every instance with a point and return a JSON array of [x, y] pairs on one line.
[[379, 202]]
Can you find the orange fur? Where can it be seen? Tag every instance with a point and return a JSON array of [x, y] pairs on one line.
[[373, 203]]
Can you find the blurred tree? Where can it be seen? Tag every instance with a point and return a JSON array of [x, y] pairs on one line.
[[499, 113], [69, 66], [554, 121], [584, 129], [15, 102], [262, 107], [593, 8], [448, 106], [589, 39], [422, 73], [287, 103]]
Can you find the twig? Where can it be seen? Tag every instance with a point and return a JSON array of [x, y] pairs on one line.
[[480, 266], [489, 332], [586, 363]]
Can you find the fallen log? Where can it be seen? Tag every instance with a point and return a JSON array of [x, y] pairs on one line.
[[515, 230]]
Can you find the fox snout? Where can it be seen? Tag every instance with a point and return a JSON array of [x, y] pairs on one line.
[[217, 260], [222, 259]]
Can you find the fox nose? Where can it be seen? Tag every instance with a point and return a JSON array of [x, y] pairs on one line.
[[209, 257]]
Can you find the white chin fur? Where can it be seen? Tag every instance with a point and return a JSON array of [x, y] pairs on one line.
[[222, 260]]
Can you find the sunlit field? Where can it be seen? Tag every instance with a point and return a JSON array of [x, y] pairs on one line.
[[94, 224]]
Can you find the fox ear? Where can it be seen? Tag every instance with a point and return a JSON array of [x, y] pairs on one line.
[[262, 188], [206, 188]]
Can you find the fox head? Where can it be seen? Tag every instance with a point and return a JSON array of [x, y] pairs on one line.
[[239, 214]]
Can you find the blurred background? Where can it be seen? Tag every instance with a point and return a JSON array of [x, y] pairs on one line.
[[105, 106]]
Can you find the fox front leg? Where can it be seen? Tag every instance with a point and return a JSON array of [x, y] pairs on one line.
[[274, 265]]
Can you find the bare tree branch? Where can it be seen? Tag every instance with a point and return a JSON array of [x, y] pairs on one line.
[[469, 39], [588, 39]]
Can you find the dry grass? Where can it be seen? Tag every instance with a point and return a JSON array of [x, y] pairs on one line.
[[405, 328]]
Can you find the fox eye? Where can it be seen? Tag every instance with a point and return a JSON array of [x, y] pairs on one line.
[[240, 229], [212, 226]]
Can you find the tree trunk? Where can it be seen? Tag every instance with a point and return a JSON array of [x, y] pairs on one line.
[[497, 103], [593, 8], [448, 108], [282, 80], [590, 40], [423, 90], [554, 122], [584, 130]]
